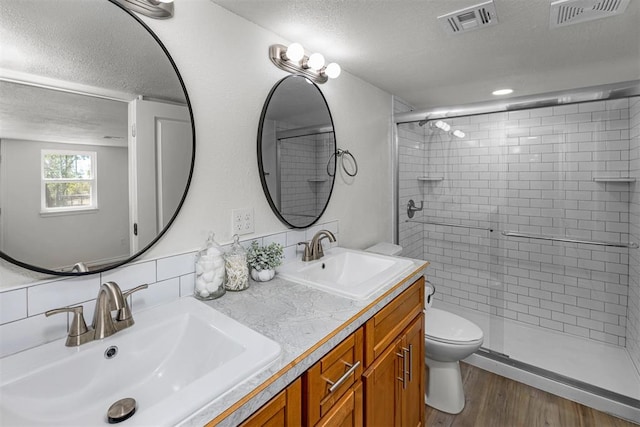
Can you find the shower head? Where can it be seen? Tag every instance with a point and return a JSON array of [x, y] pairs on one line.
[[423, 122]]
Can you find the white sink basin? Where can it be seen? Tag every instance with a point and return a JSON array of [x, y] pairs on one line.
[[346, 272], [174, 360]]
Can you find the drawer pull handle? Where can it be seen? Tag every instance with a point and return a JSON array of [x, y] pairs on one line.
[[342, 379]]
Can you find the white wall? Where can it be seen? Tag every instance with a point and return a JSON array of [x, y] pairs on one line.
[[224, 62]]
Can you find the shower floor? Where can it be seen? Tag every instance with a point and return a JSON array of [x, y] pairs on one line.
[[603, 365]]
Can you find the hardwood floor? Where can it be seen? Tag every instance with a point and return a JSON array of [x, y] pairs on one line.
[[495, 401]]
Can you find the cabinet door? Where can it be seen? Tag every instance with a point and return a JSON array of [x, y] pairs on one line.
[[388, 324], [413, 394], [281, 411], [383, 388], [347, 412]]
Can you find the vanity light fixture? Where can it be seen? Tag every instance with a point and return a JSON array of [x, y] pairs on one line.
[[293, 60], [159, 9]]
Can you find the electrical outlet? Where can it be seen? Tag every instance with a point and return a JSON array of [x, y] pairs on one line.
[[242, 221]]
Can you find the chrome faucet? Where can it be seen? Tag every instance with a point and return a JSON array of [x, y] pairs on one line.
[[110, 298], [313, 250], [80, 267]]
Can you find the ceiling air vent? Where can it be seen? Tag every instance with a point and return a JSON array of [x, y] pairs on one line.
[[568, 12], [470, 18]]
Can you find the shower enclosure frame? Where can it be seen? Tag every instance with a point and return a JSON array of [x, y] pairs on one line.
[[554, 99]]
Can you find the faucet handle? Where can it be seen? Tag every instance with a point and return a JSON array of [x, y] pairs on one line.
[[78, 332], [124, 318], [307, 256], [126, 294]]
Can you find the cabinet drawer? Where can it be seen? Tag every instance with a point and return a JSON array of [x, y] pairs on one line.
[[332, 376], [383, 328], [283, 410], [347, 412]]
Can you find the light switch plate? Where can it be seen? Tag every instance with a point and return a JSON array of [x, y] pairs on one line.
[[242, 221]]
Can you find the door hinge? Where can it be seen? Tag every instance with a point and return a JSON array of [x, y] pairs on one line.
[[135, 229], [133, 130]]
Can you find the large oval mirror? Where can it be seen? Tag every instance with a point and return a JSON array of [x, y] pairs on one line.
[[96, 136], [296, 151]]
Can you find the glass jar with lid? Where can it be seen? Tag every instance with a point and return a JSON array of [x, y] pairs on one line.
[[236, 267], [210, 271]]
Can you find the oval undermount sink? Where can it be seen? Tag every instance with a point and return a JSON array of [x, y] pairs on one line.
[[346, 272], [177, 358]]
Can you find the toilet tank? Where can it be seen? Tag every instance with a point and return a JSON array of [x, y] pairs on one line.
[[385, 248]]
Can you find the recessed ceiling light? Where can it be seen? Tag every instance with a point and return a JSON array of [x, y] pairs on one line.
[[500, 92]]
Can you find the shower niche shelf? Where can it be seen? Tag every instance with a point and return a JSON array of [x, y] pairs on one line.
[[620, 179], [430, 178]]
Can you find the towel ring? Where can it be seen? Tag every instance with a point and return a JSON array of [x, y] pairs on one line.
[[339, 154]]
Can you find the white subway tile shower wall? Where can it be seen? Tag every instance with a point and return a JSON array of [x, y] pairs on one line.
[[633, 308], [22, 321], [304, 181], [530, 172], [411, 161]]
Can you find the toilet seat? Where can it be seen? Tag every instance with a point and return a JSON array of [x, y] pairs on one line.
[[450, 328]]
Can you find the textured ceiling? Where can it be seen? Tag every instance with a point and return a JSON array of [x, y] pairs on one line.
[[72, 44], [75, 41], [399, 46]]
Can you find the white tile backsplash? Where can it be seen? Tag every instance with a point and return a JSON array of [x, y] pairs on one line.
[[62, 293], [22, 324], [175, 266], [13, 305], [31, 332], [156, 294], [133, 275]]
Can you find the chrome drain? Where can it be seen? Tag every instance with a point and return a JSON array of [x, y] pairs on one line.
[[122, 410], [111, 352]]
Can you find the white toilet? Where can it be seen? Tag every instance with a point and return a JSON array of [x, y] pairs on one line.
[[448, 339]]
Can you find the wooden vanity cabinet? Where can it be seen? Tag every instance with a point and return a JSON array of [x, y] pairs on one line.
[[284, 410], [374, 377], [395, 379]]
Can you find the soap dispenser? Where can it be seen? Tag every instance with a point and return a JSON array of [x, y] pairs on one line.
[[210, 271]]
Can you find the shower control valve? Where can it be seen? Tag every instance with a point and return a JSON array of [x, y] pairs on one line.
[[412, 209]]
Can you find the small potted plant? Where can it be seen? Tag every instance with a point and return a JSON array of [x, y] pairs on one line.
[[263, 260]]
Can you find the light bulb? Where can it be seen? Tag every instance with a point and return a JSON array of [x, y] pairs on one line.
[[458, 133], [295, 52], [443, 125], [502, 92], [333, 70], [316, 61]]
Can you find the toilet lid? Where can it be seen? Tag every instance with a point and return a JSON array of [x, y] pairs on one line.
[[445, 326]]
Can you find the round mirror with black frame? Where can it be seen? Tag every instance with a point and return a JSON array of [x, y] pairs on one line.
[[296, 151], [96, 135]]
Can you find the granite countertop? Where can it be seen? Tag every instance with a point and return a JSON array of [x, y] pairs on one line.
[[306, 322]]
